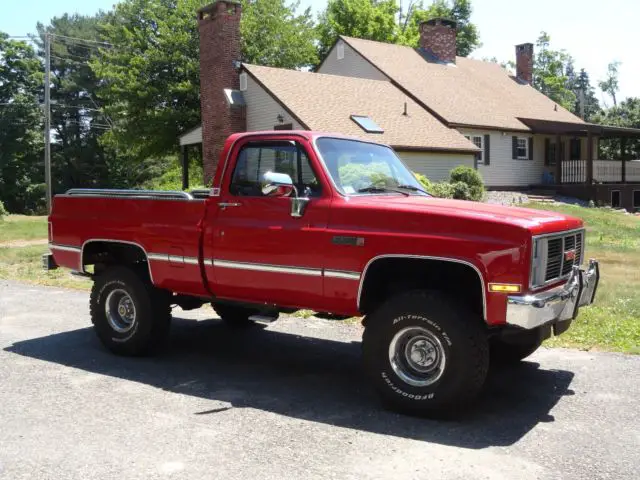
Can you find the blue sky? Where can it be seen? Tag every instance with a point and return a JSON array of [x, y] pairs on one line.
[[594, 32]]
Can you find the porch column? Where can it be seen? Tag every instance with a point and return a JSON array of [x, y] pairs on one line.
[[185, 167], [589, 158], [558, 161], [623, 154]]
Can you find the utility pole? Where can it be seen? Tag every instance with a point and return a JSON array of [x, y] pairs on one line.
[[582, 103], [47, 117]]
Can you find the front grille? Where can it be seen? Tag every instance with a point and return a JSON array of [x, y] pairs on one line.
[[555, 257]]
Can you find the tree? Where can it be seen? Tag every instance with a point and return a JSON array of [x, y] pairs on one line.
[[77, 158], [368, 19], [274, 35], [150, 77], [550, 72], [468, 36], [591, 105], [21, 128], [382, 20], [610, 84], [625, 114]]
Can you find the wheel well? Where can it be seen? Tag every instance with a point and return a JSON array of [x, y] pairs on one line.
[[102, 253], [389, 276]]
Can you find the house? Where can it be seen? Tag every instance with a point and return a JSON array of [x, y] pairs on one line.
[[437, 110]]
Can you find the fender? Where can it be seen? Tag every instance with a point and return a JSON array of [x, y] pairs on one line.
[[124, 242], [426, 257]]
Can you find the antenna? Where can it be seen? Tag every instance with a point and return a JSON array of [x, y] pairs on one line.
[[405, 109]]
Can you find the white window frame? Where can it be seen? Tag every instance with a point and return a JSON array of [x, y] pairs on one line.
[[475, 139], [340, 51], [243, 82], [526, 148]]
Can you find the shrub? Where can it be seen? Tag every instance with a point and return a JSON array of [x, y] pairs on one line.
[[3, 211], [171, 178], [364, 175], [461, 191], [426, 183], [442, 190], [471, 178]]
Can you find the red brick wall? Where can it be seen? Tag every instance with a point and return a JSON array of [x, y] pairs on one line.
[[219, 26], [524, 62], [438, 36]]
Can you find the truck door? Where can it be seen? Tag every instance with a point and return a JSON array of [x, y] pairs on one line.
[[261, 253]]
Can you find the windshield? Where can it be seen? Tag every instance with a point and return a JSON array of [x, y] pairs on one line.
[[366, 168]]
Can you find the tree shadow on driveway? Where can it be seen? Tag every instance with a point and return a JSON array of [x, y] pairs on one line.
[[307, 378]]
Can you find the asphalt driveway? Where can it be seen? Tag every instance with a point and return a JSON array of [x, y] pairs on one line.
[[287, 401]]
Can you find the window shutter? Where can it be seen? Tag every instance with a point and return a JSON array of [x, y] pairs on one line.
[[531, 148], [487, 149], [547, 151], [514, 149]]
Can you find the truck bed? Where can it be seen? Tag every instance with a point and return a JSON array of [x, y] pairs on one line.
[[154, 221]]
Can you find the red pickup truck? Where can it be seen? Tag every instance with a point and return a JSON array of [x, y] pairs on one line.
[[306, 220]]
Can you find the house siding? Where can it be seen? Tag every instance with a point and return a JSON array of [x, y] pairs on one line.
[[263, 110], [352, 65], [503, 170], [435, 166]]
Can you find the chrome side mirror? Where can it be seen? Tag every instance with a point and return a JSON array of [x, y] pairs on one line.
[[280, 185], [277, 185]]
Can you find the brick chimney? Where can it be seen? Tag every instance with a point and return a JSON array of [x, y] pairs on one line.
[[219, 26], [524, 62], [438, 37]]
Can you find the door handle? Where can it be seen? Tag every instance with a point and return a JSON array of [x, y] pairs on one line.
[[229, 204]]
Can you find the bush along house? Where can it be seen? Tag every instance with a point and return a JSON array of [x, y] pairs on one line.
[[437, 110]]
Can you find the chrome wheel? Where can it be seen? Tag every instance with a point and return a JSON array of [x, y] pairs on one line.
[[417, 356], [120, 311]]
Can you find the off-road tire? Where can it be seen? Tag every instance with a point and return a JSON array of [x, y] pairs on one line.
[[516, 348], [464, 345], [150, 329], [235, 315]]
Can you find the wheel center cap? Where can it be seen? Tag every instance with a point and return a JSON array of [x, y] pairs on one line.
[[122, 310]]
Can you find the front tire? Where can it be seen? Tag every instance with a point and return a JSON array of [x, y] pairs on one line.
[[130, 316], [424, 354]]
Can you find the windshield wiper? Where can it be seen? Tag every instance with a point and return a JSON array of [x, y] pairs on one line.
[[413, 189], [372, 189]]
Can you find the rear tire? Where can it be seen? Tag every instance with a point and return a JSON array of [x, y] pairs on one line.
[[517, 347], [130, 316], [425, 354], [235, 315]]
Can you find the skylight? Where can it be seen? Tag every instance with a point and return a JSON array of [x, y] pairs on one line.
[[367, 124]]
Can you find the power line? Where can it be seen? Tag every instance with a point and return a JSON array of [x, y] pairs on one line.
[[82, 40]]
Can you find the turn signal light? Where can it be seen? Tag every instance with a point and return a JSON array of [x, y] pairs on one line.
[[504, 287]]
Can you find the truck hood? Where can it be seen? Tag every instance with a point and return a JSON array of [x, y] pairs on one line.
[[537, 221]]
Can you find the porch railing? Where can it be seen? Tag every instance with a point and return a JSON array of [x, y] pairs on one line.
[[604, 171]]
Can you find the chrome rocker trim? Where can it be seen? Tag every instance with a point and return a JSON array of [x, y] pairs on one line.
[[555, 305]]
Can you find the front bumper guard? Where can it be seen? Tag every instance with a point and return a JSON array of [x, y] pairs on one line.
[[555, 305]]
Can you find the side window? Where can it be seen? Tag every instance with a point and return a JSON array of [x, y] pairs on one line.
[[256, 159]]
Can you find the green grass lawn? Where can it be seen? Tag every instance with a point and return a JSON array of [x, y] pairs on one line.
[[612, 323], [21, 227]]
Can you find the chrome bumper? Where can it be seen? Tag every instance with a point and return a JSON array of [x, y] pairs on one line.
[[556, 305]]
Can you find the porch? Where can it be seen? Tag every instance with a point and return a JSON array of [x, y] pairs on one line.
[[574, 166]]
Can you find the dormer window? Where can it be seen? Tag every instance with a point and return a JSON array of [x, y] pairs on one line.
[[367, 124]]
